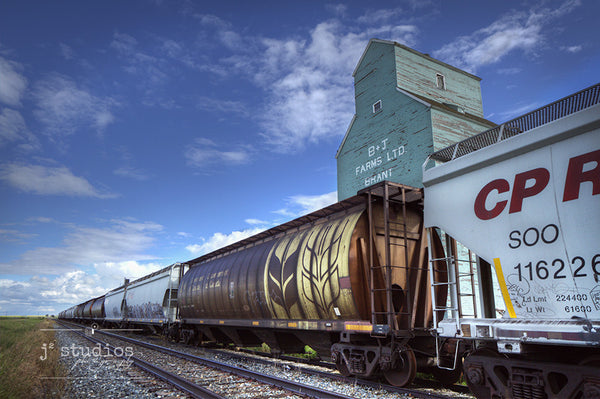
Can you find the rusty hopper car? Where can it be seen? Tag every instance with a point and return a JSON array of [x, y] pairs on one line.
[[98, 309], [525, 197], [350, 281]]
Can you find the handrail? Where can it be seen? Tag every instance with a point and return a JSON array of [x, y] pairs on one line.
[[541, 116]]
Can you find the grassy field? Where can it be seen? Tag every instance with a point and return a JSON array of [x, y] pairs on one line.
[[23, 361]]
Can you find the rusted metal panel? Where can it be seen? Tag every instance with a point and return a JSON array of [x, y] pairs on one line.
[[302, 275], [97, 310], [86, 312], [318, 271]]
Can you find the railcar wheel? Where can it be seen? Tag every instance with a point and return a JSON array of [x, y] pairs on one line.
[[475, 375], [340, 364], [404, 370]]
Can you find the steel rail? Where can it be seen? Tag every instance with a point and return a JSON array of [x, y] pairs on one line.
[[315, 392], [288, 385], [195, 390], [457, 389]]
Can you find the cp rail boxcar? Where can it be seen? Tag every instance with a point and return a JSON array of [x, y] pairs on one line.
[[526, 198]]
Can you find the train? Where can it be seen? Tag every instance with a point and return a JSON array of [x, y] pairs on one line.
[[373, 282]]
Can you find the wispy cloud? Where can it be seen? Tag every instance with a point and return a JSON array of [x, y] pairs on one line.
[[309, 83], [517, 30], [572, 49], [14, 236], [120, 241], [66, 51], [13, 84], [306, 80], [205, 154], [13, 130], [44, 180], [227, 107], [132, 173], [64, 108]]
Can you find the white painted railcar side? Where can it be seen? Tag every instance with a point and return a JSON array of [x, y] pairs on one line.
[[113, 305], [153, 298], [528, 203]]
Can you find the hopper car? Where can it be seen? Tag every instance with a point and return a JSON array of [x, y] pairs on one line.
[[525, 197], [373, 281], [349, 280]]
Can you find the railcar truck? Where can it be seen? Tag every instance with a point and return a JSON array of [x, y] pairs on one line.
[[525, 197]]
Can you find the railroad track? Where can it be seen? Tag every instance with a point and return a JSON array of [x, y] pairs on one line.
[[425, 389], [223, 380], [459, 390]]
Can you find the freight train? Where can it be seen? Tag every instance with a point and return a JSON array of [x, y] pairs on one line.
[[373, 282]]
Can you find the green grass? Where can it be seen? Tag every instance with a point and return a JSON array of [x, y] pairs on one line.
[[21, 367]]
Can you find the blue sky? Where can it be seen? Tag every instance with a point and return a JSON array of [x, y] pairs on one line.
[[136, 134]]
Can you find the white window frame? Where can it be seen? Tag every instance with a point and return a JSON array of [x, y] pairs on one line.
[[379, 106]]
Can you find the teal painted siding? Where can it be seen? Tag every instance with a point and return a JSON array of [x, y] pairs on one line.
[[393, 143], [417, 72], [390, 146], [450, 128]]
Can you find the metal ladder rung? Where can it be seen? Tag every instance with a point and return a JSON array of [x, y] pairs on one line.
[[445, 308], [445, 283], [445, 259]]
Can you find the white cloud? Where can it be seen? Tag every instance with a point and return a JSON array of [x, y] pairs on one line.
[[65, 108], [380, 16], [13, 130], [206, 154], [223, 106], [66, 51], [572, 49], [299, 205], [44, 295], [519, 110], [131, 173], [120, 243], [220, 240], [307, 81], [43, 180], [256, 222], [516, 30], [13, 83], [14, 236], [152, 64]]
